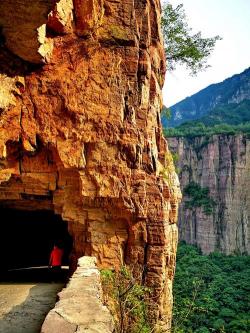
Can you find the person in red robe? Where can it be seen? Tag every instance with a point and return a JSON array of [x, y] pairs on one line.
[[56, 257], [55, 261]]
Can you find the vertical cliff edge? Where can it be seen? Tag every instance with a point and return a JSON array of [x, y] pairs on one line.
[[220, 163], [80, 131]]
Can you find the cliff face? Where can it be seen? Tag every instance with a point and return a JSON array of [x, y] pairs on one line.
[[80, 102], [221, 163]]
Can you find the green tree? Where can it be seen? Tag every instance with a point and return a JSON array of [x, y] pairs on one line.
[[166, 112], [181, 45]]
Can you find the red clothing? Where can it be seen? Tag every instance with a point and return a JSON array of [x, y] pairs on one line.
[[56, 257]]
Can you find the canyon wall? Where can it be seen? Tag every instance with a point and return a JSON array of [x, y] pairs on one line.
[[80, 101], [222, 164]]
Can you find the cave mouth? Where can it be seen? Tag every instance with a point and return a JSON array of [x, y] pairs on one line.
[[27, 238]]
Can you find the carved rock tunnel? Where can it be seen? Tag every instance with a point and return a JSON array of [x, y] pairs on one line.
[[44, 200], [32, 219], [27, 237]]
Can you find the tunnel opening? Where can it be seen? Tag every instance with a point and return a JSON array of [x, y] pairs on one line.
[[27, 238]]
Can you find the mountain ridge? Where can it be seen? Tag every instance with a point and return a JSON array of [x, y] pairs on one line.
[[232, 90]]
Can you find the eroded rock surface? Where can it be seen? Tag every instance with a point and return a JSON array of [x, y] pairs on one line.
[[81, 132], [221, 163]]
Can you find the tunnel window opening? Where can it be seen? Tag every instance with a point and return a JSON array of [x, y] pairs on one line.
[[27, 238]]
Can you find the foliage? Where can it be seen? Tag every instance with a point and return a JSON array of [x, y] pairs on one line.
[[127, 300], [176, 158], [199, 197], [181, 46], [211, 292], [190, 130], [166, 112]]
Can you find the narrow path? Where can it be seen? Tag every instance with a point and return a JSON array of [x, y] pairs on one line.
[[25, 299]]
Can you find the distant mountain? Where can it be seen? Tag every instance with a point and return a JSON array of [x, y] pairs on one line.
[[215, 104], [231, 114]]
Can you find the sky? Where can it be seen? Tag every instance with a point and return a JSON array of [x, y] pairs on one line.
[[229, 19]]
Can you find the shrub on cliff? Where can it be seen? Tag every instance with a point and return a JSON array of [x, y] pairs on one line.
[[198, 197], [126, 298]]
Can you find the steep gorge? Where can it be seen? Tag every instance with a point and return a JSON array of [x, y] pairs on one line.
[[222, 164], [80, 101]]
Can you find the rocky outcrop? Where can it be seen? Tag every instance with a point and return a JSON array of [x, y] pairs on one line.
[[80, 103], [80, 307], [221, 163]]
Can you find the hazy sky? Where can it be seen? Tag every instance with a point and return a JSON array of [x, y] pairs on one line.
[[231, 20]]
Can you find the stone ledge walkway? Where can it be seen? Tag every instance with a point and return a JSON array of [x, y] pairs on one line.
[[23, 306]]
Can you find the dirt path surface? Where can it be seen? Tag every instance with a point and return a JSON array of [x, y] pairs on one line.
[[24, 304]]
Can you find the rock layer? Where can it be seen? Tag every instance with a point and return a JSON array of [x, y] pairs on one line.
[[81, 132], [221, 163]]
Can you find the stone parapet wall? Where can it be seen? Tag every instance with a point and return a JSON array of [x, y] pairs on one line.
[[80, 308]]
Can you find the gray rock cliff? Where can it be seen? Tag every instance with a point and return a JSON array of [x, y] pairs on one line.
[[221, 163]]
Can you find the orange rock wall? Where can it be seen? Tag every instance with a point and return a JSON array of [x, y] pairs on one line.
[[81, 133]]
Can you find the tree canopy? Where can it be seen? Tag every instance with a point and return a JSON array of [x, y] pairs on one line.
[[211, 292], [181, 45]]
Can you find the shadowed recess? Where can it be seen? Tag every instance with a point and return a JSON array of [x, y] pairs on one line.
[[27, 238]]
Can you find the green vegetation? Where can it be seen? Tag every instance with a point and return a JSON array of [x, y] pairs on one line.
[[126, 298], [211, 293], [166, 112], [176, 158], [199, 197], [226, 119], [191, 130], [181, 45]]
